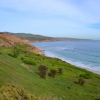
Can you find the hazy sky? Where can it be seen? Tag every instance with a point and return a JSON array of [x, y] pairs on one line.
[[57, 18]]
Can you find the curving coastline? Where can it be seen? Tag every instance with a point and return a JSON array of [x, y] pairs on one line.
[[51, 54]]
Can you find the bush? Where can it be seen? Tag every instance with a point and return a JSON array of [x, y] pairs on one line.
[[60, 70], [15, 55], [86, 76], [81, 81], [12, 92], [27, 61], [52, 73], [42, 71], [22, 58]]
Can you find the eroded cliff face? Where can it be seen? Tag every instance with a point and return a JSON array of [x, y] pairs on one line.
[[7, 40]]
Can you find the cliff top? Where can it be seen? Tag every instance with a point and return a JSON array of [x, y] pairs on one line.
[[7, 40]]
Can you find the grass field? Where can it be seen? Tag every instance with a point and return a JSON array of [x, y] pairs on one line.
[[19, 67]]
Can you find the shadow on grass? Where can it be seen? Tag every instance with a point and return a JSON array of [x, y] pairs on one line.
[[76, 82]]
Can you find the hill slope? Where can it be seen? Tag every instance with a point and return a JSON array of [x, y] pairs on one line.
[[19, 66], [7, 40]]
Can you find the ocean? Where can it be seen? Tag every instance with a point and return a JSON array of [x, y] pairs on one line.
[[85, 54]]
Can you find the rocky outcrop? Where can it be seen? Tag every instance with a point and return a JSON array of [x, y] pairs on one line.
[[7, 40]]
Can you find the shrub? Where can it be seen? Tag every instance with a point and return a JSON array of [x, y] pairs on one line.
[[12, 92], [81, 81], [13, 54], [22, 58], [60, 70], [86, 76], [52, 73], [27, 61], [42, 71]]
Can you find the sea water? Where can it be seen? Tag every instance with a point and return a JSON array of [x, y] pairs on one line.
[[85, 54]]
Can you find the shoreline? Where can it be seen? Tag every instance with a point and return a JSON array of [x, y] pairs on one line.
[[94, 71], [88, 69]]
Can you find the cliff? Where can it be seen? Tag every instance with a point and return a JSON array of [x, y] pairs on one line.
[[7, 40]]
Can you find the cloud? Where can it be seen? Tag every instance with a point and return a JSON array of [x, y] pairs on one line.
[[85, 11], [59, 14], [47, 9], [46, 6], [90, 10]]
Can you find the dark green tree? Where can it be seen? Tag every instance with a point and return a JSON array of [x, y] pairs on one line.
[[60, 70], [53, 73], [42, 71], [81, 80]]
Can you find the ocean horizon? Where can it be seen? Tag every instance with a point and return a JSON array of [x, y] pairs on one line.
[[84, 54]]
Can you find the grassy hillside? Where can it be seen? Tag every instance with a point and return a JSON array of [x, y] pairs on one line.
[[19, 67]]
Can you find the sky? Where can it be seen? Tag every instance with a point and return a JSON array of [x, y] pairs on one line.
[[55, 18]]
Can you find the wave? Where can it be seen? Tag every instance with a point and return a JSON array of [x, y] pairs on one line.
[[88, 50], [78, 52], [76, 63], [76, 56], [83, 54]]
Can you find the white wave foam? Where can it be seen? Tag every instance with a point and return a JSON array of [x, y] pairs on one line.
[[89, 67], [49, 54], [62, 48]]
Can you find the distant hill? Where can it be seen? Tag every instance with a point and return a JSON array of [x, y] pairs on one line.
[[32, 37], [36, 38]]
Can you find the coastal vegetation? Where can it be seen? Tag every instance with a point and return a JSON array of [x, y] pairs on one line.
[[43, 76], [25, 75]]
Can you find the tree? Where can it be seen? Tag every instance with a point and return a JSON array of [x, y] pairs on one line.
[[42, 71], [53, 73], [60, 70], [81, 81]]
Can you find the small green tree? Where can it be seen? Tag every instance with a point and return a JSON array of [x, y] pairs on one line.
[[81, 80], [52, 73], [42, 71], [60, 70]]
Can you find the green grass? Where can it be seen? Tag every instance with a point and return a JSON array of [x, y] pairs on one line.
[[15, 71]]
